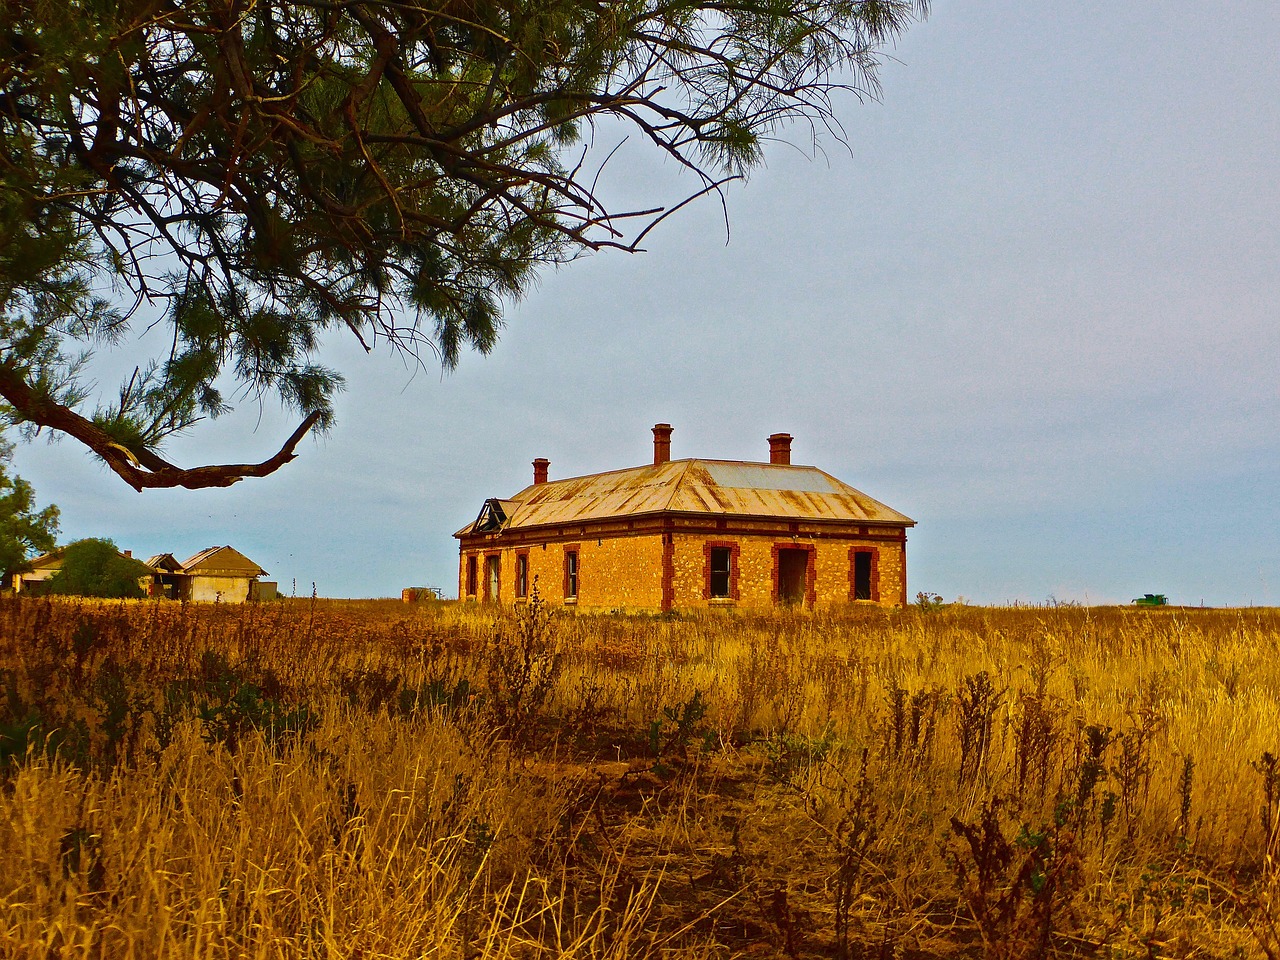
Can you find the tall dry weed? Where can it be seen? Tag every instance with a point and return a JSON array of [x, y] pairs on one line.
[[319, 778]]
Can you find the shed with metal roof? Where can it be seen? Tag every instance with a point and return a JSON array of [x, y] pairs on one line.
[[222, 574]]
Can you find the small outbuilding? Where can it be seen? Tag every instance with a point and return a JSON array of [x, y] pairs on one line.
[[39, 570], [168, 579], [43, 567], [687, 534], [222, 574]]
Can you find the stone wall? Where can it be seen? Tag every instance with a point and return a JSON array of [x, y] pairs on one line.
[[830, 583], [220, 589], [625, 573]]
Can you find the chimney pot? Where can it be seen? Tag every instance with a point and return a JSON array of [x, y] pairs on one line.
[[780, 448], [661, 443], [540, 467]]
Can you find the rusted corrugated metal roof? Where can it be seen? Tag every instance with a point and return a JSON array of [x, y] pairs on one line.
[[716, 487], [212, 560]]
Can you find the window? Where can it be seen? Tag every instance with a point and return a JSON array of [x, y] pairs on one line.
[[471, 576], [864, 573], [522, 575], [492, 567], [720, 570], [721, 573], [571, 574]]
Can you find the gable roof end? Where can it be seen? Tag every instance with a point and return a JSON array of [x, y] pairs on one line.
[[51, 559], [224, 561]]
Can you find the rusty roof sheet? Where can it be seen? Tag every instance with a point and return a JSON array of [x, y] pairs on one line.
[[717, 487], [53, 559], [213, 560]]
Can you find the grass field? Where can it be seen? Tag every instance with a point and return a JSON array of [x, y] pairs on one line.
[[330, 779]]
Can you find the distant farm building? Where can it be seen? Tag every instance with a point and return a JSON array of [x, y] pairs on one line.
[[41, 569], [225, 574], [168, 579], [221, 574], [686, 534]]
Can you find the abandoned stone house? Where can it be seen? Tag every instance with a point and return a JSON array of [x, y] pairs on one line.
[[687, 534]]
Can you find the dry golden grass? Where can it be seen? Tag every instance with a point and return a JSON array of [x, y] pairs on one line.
[[371, 779]]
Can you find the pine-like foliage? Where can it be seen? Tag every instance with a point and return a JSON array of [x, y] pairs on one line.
[[252, 175]]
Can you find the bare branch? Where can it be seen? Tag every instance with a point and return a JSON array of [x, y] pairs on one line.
[[139, 469]]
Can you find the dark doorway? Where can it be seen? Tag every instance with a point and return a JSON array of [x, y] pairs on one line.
[[862, 575], [471, 576], [793, 569]]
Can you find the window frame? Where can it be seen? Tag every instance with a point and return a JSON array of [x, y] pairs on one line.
[[708, 549], [874, 585], [492, 561], [522, 574], [473, 573], [572, 578]]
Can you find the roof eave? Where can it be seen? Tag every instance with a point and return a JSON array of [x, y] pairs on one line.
[[904, 522]]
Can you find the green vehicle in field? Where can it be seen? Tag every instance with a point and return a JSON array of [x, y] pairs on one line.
[[1151, 600]]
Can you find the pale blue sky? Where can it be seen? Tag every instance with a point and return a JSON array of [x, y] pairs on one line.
[[1035, 310]]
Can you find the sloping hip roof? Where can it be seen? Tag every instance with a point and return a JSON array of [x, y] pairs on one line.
[[712, 487]]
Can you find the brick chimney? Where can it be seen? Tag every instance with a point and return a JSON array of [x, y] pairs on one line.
[[661, 443], [129, 554], [540, 470], [780, 448]]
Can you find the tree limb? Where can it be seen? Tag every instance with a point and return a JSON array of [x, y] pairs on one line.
[[263, 173], [139, 470]]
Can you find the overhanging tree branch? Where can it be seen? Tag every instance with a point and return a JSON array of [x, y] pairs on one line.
[[140, 469], [264, 174]]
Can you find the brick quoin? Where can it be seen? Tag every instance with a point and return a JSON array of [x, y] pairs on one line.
[[668, 570], [903, 575]]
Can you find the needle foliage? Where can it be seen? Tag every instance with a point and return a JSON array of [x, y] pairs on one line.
[[248, 177]]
